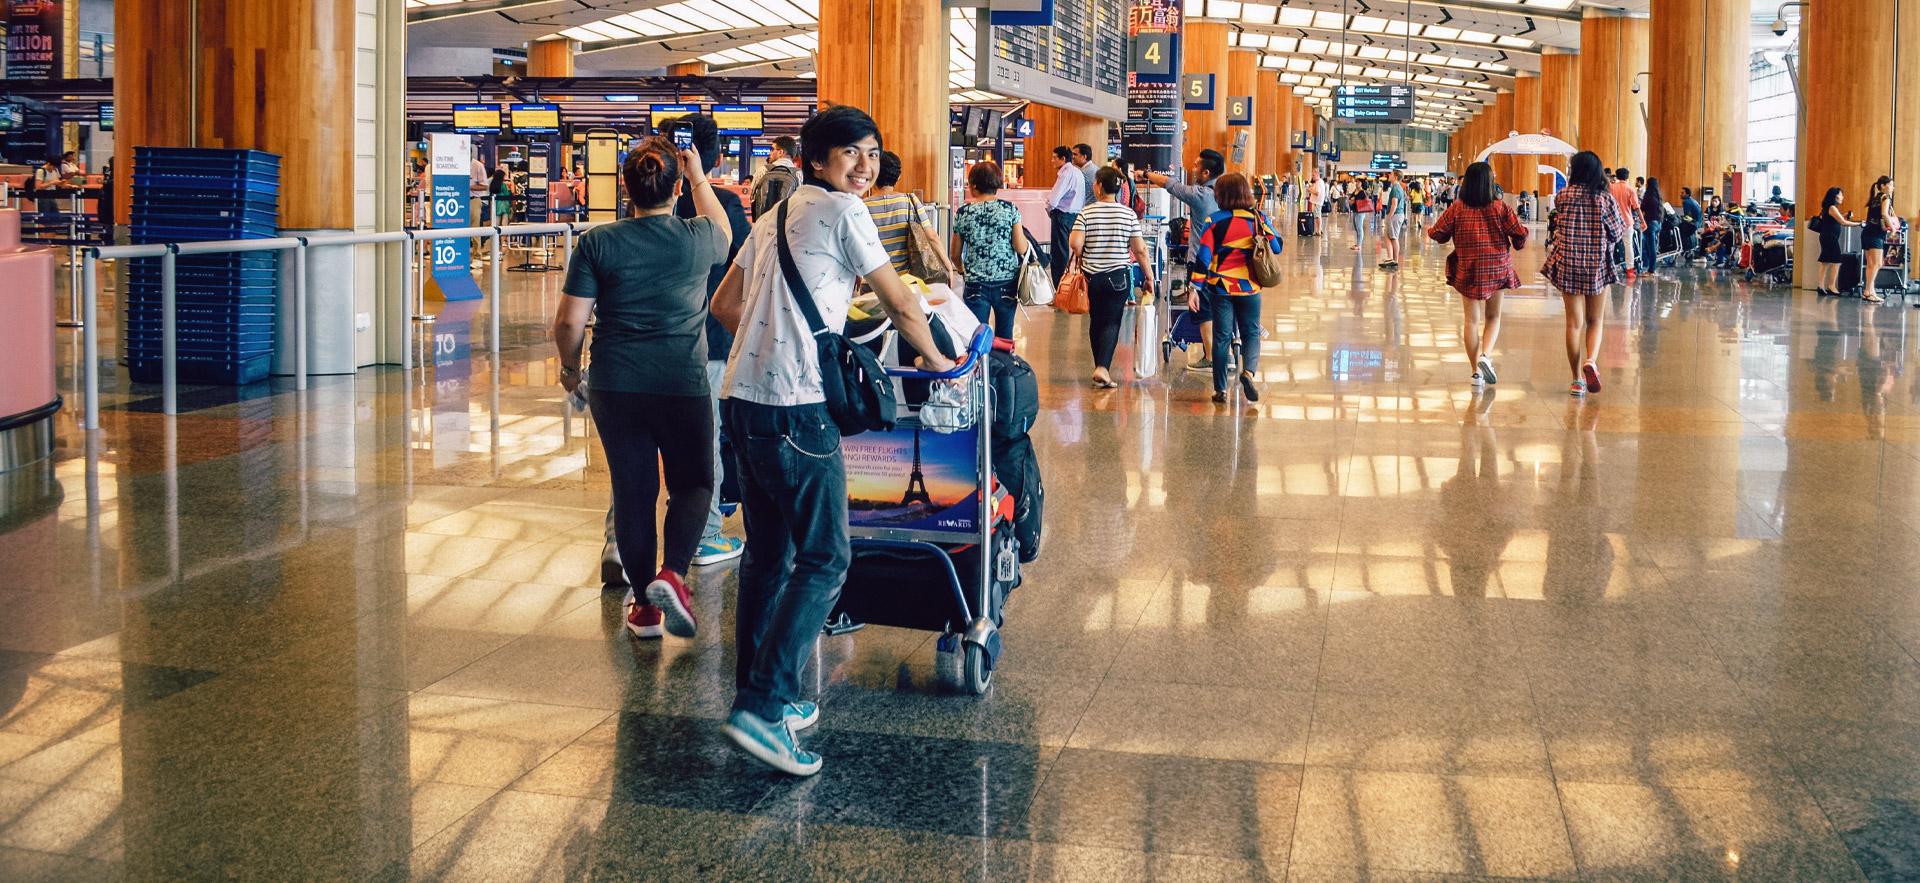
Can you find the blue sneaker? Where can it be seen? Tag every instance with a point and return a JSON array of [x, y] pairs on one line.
[[727, 509], [718, 549], [770, 743], [801, 714]]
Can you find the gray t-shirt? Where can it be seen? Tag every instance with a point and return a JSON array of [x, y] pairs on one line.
[[648, 278], [1198, 199]]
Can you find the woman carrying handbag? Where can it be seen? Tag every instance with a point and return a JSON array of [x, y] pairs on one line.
[[1484, 233], [1226, 248], [988, 247]]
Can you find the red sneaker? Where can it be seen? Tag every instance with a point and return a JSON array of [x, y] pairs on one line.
[[643, 620], [675, 601], [1592, 375]]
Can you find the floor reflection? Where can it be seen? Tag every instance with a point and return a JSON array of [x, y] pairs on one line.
[[1376, 626]]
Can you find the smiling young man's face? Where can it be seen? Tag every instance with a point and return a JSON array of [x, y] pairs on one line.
[[851, 168]]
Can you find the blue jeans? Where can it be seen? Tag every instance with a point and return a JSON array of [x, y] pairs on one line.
[[1235, 313], [793, 490], [1650, 246], [997, 299]]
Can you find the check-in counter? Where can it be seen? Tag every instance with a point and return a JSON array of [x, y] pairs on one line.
[[28, 397]]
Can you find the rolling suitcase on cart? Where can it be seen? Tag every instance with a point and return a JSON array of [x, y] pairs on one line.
[[936, 538]]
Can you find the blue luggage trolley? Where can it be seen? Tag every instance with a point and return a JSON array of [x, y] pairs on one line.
[[931, 531]]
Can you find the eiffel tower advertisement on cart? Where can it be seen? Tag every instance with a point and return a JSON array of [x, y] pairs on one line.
[[913, 479]]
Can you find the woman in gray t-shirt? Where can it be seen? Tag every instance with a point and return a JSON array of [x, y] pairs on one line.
[[646, 278]]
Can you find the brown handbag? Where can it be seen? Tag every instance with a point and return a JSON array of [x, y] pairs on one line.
[[923, 253]]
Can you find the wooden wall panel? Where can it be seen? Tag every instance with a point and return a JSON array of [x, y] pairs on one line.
[[1203, 49], [1275, 115], [1696, 92], [1559, 104], [279, 77], [889, 58], [1242, 72], [1612, 50], [1499, 125], [1057, 127], [1526, 120]]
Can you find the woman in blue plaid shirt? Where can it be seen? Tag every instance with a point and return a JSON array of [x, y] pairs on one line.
[[1587, 225]]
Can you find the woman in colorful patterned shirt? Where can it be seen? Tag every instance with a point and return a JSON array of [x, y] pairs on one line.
[[1588, 223], [1485, 233], [1223, 247]]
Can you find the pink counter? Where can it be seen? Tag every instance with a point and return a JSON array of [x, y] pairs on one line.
[[28, 398]]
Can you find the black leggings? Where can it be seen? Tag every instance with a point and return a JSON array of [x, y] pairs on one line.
[[643, 434], [1107, 305]]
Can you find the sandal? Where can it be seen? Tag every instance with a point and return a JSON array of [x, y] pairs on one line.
[[1873, 298]]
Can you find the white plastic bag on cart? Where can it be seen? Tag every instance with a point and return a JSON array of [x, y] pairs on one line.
[[951, 405], [950, 305], [1146, 339]]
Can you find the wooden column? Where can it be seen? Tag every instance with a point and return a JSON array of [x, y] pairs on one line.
[[1697, 92], [1203, 49], [1276, 109], [1526, 121], [1499, 126], [153, 91], [551, 58], [1243, 66], [889, 58], [687, 69], [1613, 48], [268, 76], [1860, 78], [1559, 105]]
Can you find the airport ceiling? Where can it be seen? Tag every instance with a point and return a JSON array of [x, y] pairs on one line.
[[1459, 53]]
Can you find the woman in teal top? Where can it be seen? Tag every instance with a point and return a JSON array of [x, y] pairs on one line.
[[987, 245]]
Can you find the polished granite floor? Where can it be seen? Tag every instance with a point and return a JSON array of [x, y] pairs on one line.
[[1377, 627]]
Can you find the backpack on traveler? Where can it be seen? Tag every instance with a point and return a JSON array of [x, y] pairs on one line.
[[772, 188]]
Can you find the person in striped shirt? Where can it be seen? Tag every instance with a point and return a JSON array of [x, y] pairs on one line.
[[892, 211], [1106, 238]]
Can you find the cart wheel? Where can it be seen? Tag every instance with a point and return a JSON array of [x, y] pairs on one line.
[[978, 673]]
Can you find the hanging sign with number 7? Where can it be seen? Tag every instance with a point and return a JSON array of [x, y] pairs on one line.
[[1196, 91]]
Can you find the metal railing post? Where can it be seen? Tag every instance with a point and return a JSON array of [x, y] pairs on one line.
[[404, 327], [493, 272], [300, 314], [90, 337], [169, 371], [569, 241]]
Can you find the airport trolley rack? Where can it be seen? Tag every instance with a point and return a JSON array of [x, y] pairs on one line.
[[937, 560]]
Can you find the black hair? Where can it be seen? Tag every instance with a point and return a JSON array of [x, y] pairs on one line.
[[785, 143], [1831, 199], [1477, 190], [1083, 150], [1584, 170], [651, 171], [1212, 163], [1652, 195], [1062, 152], [1686, 192], [889, 169], [841, 125], [706, 138], [1620, 173], [1107, 180]]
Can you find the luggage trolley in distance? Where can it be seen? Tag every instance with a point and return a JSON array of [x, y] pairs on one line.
[[931, 531]]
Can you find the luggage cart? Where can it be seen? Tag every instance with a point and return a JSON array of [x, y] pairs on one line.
[[926, 556]]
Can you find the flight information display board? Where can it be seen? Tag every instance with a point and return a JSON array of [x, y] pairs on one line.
[[535, 119], [476, 119], [1374, 104], [660, 113], [1079, 62], [739, 119]]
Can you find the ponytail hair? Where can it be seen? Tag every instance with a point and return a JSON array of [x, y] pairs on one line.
[[651, 171]]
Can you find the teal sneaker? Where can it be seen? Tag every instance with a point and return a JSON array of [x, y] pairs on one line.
[[770, 743], [801, 714], [718, 549]]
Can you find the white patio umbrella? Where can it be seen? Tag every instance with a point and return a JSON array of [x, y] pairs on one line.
[[1539, 144]]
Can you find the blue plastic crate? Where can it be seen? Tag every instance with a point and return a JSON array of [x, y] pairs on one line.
[[225, 370], [183, 198], [238, 153], [200, 345], [258, 214], [154, 234], [182, 186], [242, 260]]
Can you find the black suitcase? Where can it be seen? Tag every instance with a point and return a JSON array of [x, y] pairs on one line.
[[1850, 272], [1307, 225]]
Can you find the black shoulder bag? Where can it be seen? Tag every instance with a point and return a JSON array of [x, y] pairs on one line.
[[859, 393]]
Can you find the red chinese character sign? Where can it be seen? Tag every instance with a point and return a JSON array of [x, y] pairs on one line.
[[1150, 137]]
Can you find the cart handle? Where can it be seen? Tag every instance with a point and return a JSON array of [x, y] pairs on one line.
[[976, 350]]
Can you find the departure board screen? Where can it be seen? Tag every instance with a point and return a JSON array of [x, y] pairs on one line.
[[476, 119], [1079, 62]]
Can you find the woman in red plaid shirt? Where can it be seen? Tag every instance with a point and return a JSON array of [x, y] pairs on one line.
[[1587, 222], [1485, 233]]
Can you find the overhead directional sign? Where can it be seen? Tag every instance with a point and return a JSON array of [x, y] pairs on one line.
[[1374, 104], [1239, 110], [1196, 90], [1385, 160]]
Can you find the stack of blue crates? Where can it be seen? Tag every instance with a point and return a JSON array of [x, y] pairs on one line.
[[224, 304]]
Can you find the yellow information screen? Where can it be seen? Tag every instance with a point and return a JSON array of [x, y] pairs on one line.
[[739, 119], [660, 113], [536, 117], [476, 117]]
